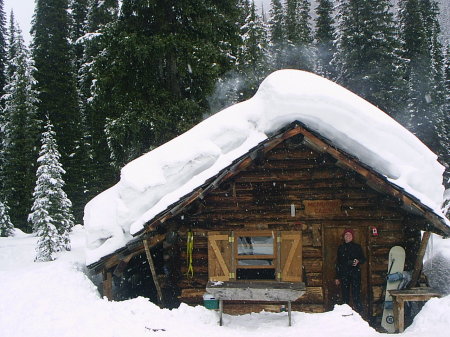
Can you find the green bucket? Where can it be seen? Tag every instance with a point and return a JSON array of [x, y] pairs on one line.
[[210, 302]]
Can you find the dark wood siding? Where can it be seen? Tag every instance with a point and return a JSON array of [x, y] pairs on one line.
[[260, 198]]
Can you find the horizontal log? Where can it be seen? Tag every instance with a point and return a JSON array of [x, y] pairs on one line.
[[312, 265], [309, 308], [284, 175], [281, 153], [192, 292], [312, 295], [242, 308], [311, 252], [198, 281], [314, 279]]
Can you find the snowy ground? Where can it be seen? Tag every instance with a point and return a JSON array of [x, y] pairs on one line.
[[56, 299]]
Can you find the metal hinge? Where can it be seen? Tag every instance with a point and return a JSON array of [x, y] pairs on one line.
[[278, 239], [231, 275], [231, 239], [279, 276]]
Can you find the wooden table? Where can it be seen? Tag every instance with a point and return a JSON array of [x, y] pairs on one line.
[[256, 291], [409, 295]]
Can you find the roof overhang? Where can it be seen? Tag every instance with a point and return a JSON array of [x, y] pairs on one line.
[[378, 182]]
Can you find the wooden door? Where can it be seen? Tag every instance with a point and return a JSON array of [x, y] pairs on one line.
[[332, 239]]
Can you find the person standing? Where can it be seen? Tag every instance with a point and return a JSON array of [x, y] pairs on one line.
[[348, 272]]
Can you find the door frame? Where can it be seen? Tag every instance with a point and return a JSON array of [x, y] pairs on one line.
[[362, 237]]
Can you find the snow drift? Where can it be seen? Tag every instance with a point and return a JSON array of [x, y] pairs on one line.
[[157, 179], [56, 299]]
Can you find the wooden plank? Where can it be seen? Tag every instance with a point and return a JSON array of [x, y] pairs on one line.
[[291, 256], [273, 291], [107, 285], [317, 236], [419, 260], [218, 257], [153, 271]]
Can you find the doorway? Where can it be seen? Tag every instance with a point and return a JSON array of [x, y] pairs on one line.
[[332, 239]]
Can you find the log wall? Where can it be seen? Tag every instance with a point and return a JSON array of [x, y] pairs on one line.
[[261, 197]]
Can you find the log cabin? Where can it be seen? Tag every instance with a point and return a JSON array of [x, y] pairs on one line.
[[274, 214]]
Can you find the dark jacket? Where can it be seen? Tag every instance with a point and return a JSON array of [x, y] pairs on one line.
[[347, 252]]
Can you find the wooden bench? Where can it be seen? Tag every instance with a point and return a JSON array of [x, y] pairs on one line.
[[408, 295], [270, 291]]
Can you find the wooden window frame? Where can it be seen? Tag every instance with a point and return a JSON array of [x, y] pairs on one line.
[[289, 269]]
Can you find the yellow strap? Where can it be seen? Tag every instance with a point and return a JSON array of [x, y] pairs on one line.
[[189, 249]]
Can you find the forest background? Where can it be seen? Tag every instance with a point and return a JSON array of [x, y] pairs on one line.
[[104, 81]]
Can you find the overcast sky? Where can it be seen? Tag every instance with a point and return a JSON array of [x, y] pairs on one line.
[[23, 12]]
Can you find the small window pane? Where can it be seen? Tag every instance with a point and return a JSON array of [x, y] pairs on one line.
[[255, 274], [257, 262], [255, 245]]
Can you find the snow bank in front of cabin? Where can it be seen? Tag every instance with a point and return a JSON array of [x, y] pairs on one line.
[[152, 182], [437, 264], [56, 299]]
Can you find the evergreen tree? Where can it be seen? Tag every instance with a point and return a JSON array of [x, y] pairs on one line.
[[446, 123], [50, 215], [58, 98], [441, 146], [300, 53], [100, 173], [3, 60], [160, 65], [324, 36], [78, 24], [21, 131], [3, 47], [367, 52], [277, 35], [252, 61], [6, 226], [425, 114]]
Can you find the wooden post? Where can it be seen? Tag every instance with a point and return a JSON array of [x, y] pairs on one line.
[[220, 312], [289, 313], [419, 261], [153, 271], [107, 284]]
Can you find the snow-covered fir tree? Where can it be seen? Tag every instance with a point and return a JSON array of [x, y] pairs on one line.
[[99, 171], [51, 214], [277, 38], [252, 57], [300, 53], [324, 37], [425, 114], [446, 123], [53, 54], [3, 47], [20, 130], [367, 52], [178, 51], [6, 226]]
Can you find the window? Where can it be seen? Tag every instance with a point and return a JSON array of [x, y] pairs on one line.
[[255, 255]]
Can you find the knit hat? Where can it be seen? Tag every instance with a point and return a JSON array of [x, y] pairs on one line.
[[348, 231]]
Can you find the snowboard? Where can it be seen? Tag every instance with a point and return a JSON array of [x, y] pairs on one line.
[[395, 267]]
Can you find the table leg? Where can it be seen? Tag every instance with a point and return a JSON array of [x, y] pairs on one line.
[[401, 316], [220, 311], [289, 313]]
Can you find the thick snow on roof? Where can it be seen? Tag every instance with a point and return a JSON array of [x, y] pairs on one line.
[[150, 183]]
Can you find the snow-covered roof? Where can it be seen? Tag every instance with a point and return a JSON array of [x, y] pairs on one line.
[[152, 182]]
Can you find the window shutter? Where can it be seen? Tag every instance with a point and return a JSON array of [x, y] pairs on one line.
[[291, 256], [219, 256]]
